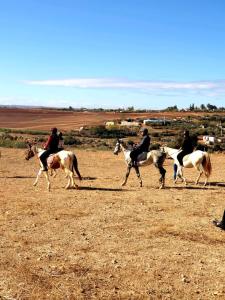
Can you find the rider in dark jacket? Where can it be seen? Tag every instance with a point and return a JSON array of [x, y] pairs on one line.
[[51, 147], [143, 146], [187, 147]]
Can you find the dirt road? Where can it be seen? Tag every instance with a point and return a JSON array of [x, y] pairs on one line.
[[107, 242]]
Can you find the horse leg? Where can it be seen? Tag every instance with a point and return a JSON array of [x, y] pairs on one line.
[[200, 174], [69, 178], [162, 171], [180, 174], [138, 175], [38, 175], [206, 180], [74, 185], [53, 173], [47, 178], [127, 175]]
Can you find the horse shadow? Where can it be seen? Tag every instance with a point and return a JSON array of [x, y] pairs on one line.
[[88, 178], [17, 177], [191, 187], [89, 188], [216, 183]]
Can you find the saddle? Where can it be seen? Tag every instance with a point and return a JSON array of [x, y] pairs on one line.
[[142, 156], [53, 161]]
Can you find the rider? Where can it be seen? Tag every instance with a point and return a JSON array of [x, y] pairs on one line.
[[143, 146], [61, 141], [51, 147], [186, 147]]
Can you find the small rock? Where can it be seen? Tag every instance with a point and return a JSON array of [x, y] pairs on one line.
[[114, 261], [184, 278]]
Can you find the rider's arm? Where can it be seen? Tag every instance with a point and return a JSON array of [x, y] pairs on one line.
[[48, 142], [140, 144]]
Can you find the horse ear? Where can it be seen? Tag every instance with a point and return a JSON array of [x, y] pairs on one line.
[[28, 144]]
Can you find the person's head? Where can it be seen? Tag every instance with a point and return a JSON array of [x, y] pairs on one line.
[[186, 133], [60, 135], [54, 130], [144, 131]]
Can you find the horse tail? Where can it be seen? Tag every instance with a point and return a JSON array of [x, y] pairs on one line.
[[75, 166], [206, 163]]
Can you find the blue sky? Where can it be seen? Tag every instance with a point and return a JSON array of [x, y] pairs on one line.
[[141, 53]]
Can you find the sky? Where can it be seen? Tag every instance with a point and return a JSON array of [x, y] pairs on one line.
[[112, 54]]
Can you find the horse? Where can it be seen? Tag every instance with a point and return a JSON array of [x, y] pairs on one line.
[[155, 157], [198, 159], [66, 160]]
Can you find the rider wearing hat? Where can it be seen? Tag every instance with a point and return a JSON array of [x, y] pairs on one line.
[[51, 147], [143, 146], [187, 147]]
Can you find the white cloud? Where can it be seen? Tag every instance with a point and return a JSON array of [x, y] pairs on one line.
[[107, 83]]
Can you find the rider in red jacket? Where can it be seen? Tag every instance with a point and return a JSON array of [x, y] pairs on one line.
[[51, 147]]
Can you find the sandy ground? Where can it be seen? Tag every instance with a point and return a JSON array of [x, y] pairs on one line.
[[107, 242], [44, 119]]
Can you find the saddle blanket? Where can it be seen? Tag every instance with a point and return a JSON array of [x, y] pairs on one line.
[[53, 161]]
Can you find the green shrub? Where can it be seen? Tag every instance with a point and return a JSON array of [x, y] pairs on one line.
[[113, 132], [71, 140], [202, 147], [154, 146], [24, 131], [7, 143], [217, 147]]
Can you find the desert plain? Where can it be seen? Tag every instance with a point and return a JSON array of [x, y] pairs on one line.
[[104, 241]]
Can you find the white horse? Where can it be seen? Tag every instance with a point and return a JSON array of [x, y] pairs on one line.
[[65, 160], [156, 157], [198, 159]]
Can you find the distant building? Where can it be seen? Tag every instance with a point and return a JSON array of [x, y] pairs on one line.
[[156, 121], [109, 123], [209, 139], [130, 123]]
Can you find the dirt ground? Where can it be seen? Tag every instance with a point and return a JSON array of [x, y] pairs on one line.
[[44, 119], [107, 242]]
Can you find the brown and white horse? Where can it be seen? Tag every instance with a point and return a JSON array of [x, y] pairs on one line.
[[66, 160]]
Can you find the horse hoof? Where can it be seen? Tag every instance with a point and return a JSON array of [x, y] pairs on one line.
[[123, 184]]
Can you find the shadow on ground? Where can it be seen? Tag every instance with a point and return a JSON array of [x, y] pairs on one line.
[[89, 188], [17, 177], [88, 178]]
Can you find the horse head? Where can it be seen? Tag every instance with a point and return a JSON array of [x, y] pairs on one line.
[[163, 148], [29, 153], [118, 146]]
